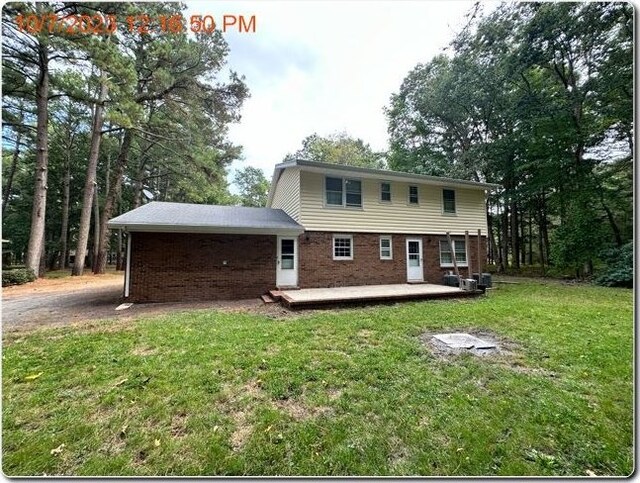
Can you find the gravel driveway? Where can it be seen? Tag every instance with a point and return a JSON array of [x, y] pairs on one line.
[[61, 300], [70, 300]]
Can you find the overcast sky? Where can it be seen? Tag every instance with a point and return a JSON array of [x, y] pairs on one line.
[[326, 66]]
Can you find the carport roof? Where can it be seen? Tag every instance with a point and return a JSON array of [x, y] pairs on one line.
[[192, 218]]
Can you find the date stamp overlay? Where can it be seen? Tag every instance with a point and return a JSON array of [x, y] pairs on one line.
[[100, 24]]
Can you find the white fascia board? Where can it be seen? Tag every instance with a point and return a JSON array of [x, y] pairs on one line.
[[148, 227]]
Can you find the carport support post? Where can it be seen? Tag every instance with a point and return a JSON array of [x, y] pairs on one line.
[[127, 273], [466, 247], [479, 255], [453, 257]]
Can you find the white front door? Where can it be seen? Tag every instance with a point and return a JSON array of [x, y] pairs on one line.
[[287, 262], [415, 272]]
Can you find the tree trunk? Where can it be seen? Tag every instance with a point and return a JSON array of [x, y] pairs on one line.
[[119, 252], [42, 265], [12, 171], [523, 238], [110, 200], [64, 230], [490, 238], [89, 185], [614, 227], [137, 189], [515, 241], [36, 234], [505, 236], [545, 233], [530, 237], [96, 226]]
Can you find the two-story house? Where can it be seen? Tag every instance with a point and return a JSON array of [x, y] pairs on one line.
[[325, 225]]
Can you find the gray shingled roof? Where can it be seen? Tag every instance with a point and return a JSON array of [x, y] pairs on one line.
[[187, 217]]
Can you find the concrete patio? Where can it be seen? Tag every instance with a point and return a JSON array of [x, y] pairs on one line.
[[307, 297]]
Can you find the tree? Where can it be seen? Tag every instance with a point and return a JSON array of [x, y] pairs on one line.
[[27, 57], [151, 97], [535, 97], [338, 148], [180, 107], [253, 185]]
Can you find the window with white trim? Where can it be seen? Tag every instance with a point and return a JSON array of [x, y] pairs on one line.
[[343, 247], [344, 192], [385, 191], [459, 249], [413, 195], [386, 248], [449, 201]]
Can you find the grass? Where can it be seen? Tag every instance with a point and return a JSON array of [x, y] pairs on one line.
[[343, 392]]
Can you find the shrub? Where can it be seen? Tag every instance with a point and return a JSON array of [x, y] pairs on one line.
[[619, 269], [17, 276]]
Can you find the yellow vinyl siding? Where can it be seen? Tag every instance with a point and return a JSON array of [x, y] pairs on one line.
[[397, 216], [286, 196]]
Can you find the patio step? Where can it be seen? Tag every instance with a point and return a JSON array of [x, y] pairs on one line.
[[267, 299]]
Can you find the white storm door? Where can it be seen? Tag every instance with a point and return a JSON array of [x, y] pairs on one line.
[[287, 262], [415, 272]]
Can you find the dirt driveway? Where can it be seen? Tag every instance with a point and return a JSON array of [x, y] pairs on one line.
[[71, 300]]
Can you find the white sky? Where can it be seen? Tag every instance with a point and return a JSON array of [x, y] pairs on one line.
[[326, 66]]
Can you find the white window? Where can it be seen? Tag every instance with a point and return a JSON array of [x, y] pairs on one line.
[[333, 191], [343, 192], [413, 195], [385, 191], [386, 250], [343, 247], [445, 253], [448, 201]]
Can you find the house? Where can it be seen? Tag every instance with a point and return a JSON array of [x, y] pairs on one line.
[[325, 225]]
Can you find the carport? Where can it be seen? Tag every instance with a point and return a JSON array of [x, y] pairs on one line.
[[180, 251]]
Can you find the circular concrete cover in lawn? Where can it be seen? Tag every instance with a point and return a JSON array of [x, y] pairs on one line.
[[460, 340]]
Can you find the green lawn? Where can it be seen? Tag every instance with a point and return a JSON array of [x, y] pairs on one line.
[[343, 392]]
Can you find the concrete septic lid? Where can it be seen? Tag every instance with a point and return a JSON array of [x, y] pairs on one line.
[[463, 341]]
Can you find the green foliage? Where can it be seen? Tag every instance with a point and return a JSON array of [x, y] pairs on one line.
[[619, 267], [579, 238], [17, 276], [536, 97], [338, 148], [254, 186]]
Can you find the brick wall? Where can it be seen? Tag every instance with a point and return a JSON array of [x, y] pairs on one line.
[[182, 266], [318, 269], [178, 266]]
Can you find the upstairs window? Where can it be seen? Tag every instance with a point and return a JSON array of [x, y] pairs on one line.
[[413, 195], [459, 249], [342, 247], [385, 191], [333, 191], [343, 192], [448, 201], [353, 189]]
